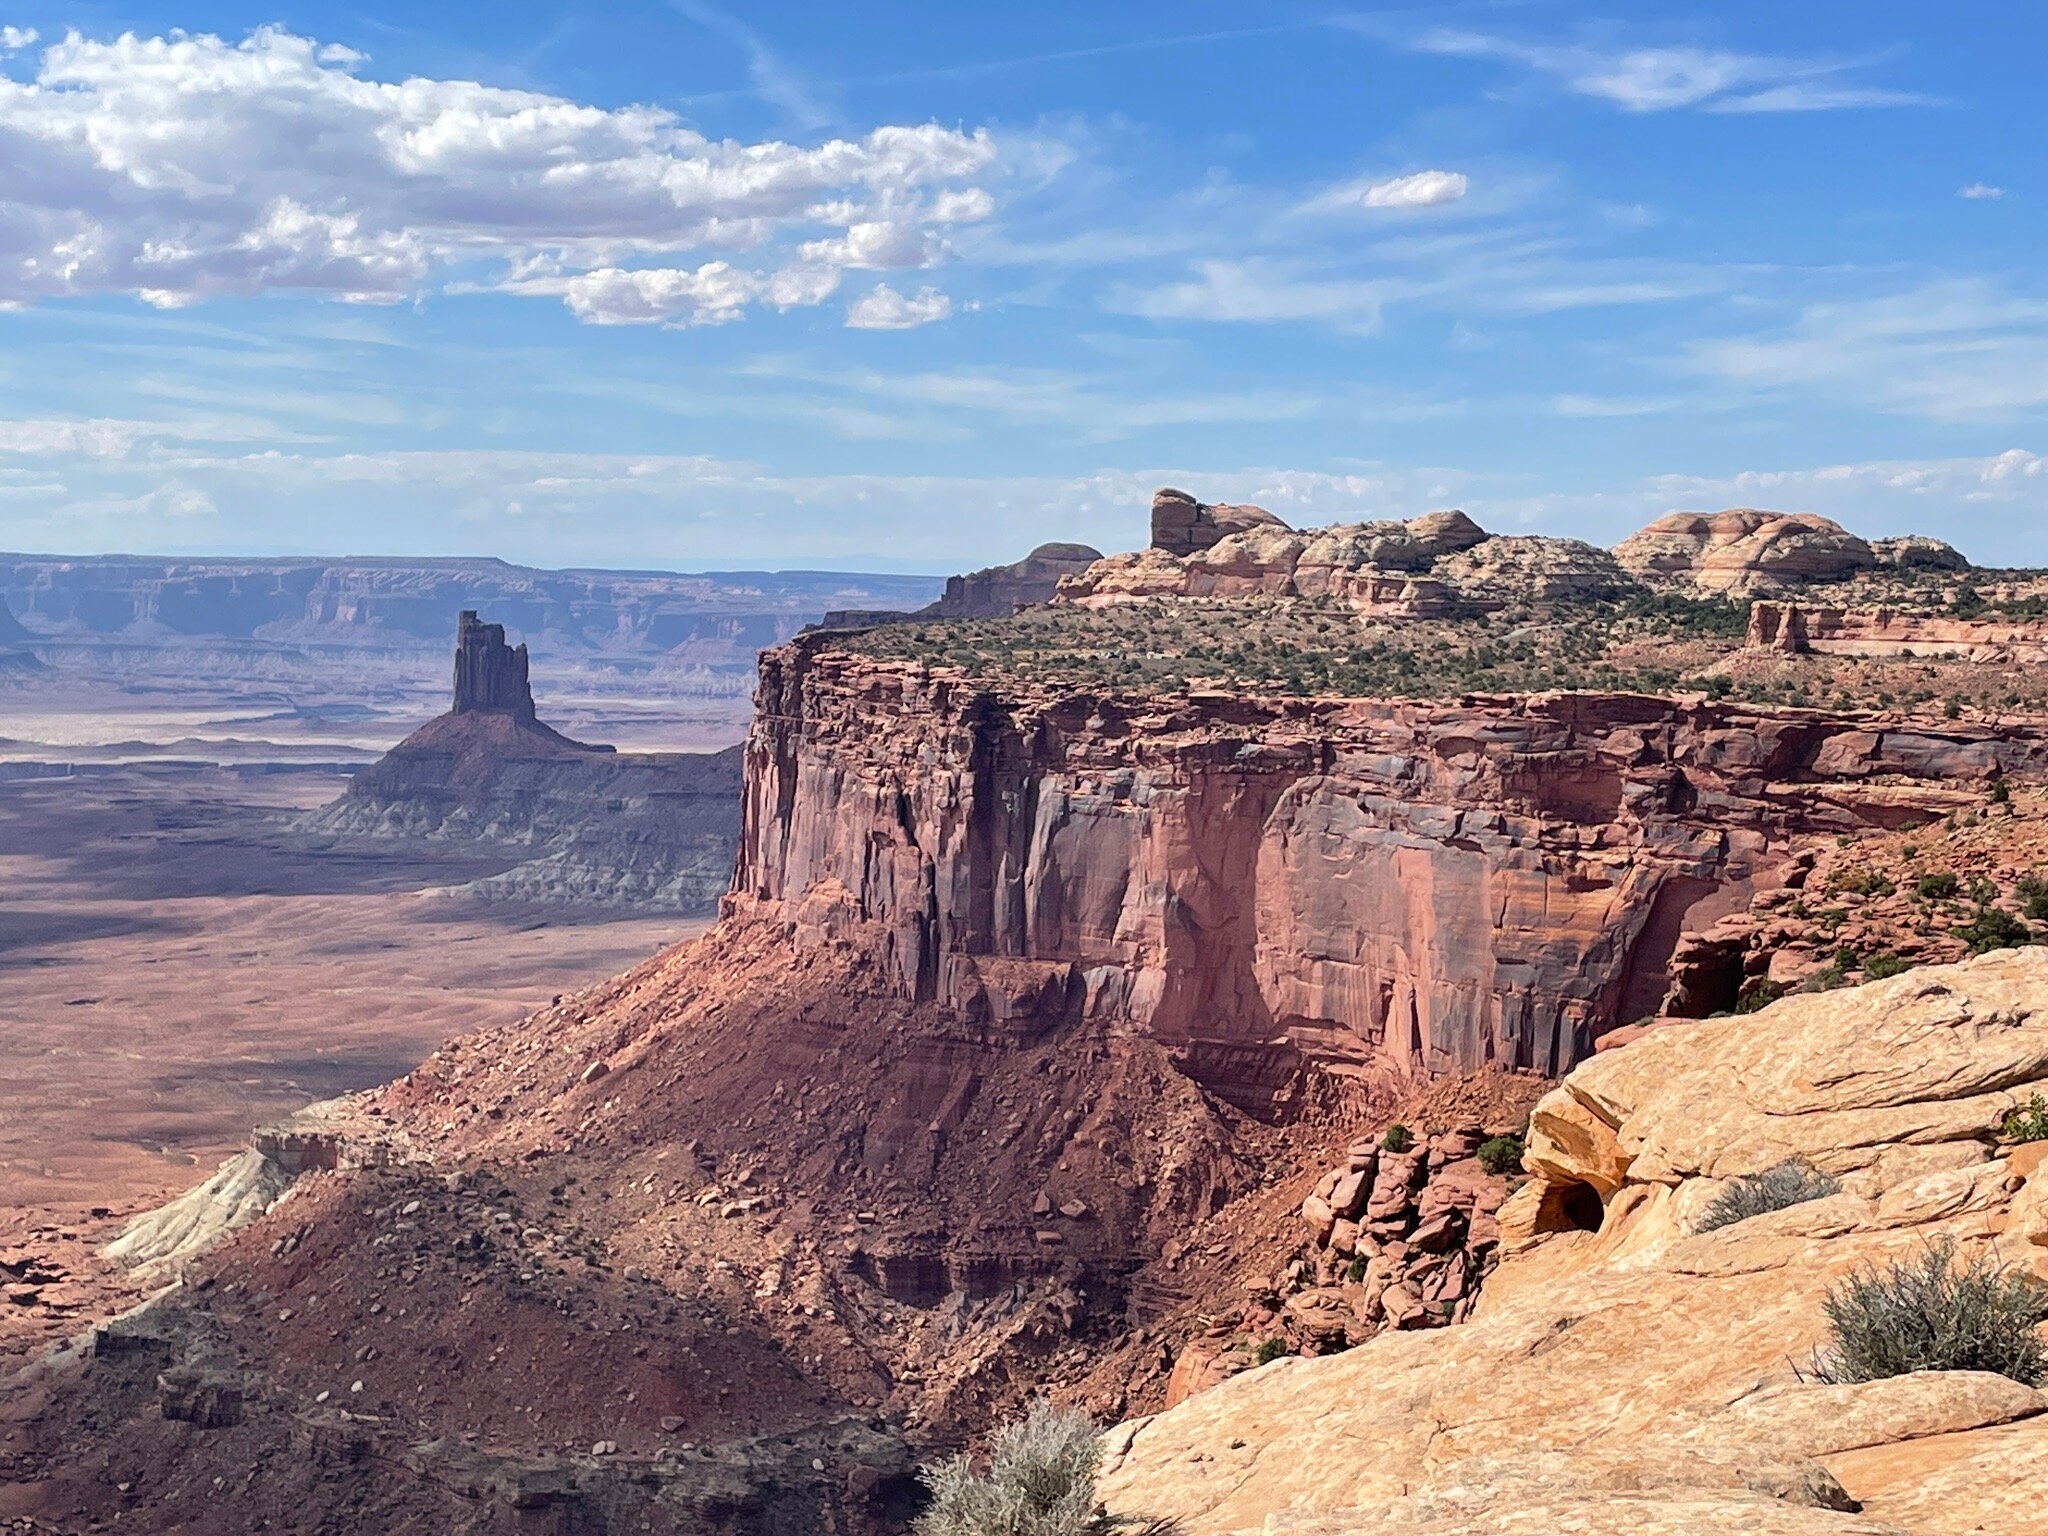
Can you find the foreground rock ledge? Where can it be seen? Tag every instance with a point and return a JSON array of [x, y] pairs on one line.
[[1641, 1378]]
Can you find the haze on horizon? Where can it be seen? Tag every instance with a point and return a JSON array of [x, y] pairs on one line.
[[685, 285]]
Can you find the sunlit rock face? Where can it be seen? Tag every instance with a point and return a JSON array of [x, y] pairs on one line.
[[1370, 885]]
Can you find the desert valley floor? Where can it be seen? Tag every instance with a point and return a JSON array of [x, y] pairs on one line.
[[179, 965]]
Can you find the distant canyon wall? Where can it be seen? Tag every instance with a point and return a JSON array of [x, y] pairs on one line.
[[717, 617], [1371, 886]]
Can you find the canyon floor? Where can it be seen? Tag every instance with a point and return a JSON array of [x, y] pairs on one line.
[[178, 966]]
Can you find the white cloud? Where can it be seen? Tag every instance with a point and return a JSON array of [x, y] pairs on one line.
[[1425, 189], [1980, 189], [884, 309], [181, 168], [714, 294], [1666, 79], [14, 39]]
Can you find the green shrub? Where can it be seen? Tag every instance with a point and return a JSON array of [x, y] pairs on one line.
[[1270, 1351], [1355, 1270], [1847, 959], [1833, 978], [2037, 906], [1040, 1482], [1994, 928], [1937, 887], [1759, 994], [2001, 793], [1931, 1313], [1501, 1154], [1792, 1182], [1862, 882], [1398, 1138], [2028, 1122], [1877, 967]]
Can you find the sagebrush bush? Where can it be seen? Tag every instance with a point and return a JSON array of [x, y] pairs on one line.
[[1878, 967], [1398, 1138], [1931, 1313], [1792, 1182], [1040, 1482], [1937, 887]]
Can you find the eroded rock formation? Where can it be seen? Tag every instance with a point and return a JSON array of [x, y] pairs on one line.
[[985, 594], [1743, 551], [580, 824], [1183, 526], [1368, 885], [1624, 1371], [1432, 566]]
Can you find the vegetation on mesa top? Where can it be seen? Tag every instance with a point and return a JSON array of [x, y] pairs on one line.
[[1306, 646], [1656, 643]]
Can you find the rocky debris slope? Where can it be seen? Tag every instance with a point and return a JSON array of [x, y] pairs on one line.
[[990, 593], [1623, 1370], [1397, 1239], [1744, 551], [585, 825], [1375, 887]]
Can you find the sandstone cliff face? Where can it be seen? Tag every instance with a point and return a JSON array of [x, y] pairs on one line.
[[1182, 526], [1371, 886], [489, 674], [1627, 1373]]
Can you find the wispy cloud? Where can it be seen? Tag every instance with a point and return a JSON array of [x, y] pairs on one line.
[[774, 79], [1670, 78], [1959, 349], [1979, 190], [1424, 189]]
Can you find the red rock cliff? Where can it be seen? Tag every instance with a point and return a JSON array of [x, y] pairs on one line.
[[1366, 885]]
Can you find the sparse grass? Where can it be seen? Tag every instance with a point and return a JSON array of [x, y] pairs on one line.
[[1040, 1482], [1934, 1313], [1792, 1182]]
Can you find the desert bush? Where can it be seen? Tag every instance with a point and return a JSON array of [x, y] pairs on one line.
[[2027, 1122], [1398, 1138], [1759, 994], [1994, 928], [1862, 882], [1936, 887], [1040, 1482], [1273, 1349], [1792, 1182], [1501, 1154], [1877, 967], [1933, 1313]]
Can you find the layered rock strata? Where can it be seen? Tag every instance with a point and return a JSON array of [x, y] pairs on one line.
[[1364, 885], [1627, 1371], [1806, 629]]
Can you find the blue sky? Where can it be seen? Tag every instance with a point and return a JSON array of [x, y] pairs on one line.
[[900, 286]]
